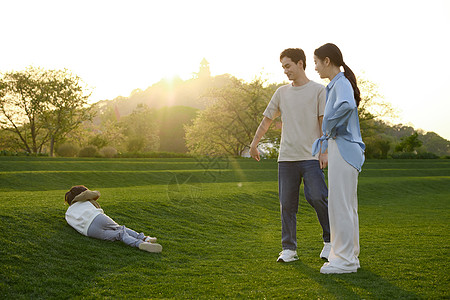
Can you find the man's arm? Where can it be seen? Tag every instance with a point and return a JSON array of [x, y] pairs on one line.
[[260, 132], [323, 157]]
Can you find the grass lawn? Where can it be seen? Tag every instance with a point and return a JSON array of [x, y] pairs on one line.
[[218, 222]]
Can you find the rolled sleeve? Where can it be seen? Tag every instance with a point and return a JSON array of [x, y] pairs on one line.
[[322, 102], [273, 108]]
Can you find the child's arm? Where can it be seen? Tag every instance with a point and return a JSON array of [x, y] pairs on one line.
[[86, 196]]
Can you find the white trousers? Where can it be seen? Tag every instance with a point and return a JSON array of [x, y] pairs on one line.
[[342, 210]]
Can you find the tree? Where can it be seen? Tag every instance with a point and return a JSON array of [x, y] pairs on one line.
[[66, 107], [141, 130], [378, 146], [42, 106], [372, 108], [409, 143], [227, 125]]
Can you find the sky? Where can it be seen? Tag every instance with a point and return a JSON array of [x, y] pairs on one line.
[[119, 46]]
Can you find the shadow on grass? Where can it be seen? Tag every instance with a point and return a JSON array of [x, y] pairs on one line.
[[361, 285]]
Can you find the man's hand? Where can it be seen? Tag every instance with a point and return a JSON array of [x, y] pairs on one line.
[[254, 153], [262, 129], [323, 160]]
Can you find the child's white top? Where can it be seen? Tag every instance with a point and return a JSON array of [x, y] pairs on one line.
[[81, 214]]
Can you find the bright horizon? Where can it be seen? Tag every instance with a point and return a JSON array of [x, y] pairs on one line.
[[117, 46]]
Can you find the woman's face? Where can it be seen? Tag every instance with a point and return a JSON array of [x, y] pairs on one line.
[[321, 67]]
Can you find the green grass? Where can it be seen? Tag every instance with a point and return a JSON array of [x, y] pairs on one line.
[[220, 230]]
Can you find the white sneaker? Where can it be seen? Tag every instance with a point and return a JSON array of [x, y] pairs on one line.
[[327, 269], [287, 256], [150, 247], [150, 239], [325, 251]]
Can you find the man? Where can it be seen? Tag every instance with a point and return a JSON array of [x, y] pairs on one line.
[[301, 106]]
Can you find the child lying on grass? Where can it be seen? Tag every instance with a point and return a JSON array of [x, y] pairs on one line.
[[85, 215]]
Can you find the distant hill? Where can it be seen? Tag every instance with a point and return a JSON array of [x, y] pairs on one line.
[[168, 93]]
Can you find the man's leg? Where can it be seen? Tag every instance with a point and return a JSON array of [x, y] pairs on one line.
[[316, 193], [289, 180]]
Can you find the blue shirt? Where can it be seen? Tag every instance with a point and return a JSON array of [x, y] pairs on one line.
[[341, 122]]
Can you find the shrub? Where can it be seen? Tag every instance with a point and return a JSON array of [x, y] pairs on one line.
[[403, 155], [67, 150], [412, 155], [427, 155], [154, 155], [20, 153], [7, 153], [108, 152], [135, 144], [88, 151]]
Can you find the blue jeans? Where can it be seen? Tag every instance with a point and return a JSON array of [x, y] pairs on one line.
[[290, 175], [105, 228]]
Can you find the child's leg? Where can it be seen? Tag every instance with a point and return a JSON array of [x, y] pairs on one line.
[[105, 228], [134, 234]]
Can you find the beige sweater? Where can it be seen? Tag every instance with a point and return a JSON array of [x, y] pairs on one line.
[[300, 108]]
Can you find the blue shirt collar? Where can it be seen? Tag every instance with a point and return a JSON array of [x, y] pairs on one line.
[[336, 78]]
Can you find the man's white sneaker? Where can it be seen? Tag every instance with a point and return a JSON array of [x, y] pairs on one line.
[[287, 256], [327, 269], [325, 251]]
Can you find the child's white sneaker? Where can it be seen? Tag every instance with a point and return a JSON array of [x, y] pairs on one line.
[[150, 247], [150, 239]]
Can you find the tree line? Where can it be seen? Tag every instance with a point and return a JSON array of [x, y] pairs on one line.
[[43, 110]]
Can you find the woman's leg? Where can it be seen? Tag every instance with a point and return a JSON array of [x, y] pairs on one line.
[[343, 211]]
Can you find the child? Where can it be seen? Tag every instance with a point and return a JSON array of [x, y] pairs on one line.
[[85, 215]]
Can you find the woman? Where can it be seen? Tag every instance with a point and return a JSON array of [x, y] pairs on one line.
[[342, 137]]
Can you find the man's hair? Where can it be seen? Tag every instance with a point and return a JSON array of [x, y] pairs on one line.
[[295, 54]]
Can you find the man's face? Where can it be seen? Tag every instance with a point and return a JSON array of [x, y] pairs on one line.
[[291, 69]]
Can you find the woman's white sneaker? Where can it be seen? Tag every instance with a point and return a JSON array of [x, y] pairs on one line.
[[287, 256], [325, 251], [327, 269]]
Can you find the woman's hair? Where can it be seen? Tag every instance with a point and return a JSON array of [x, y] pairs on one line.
[[334, 54], [295, 54], [74, 191]]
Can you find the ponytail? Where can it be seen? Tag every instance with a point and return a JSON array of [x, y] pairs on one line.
[[348, 73], [334, 54]]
